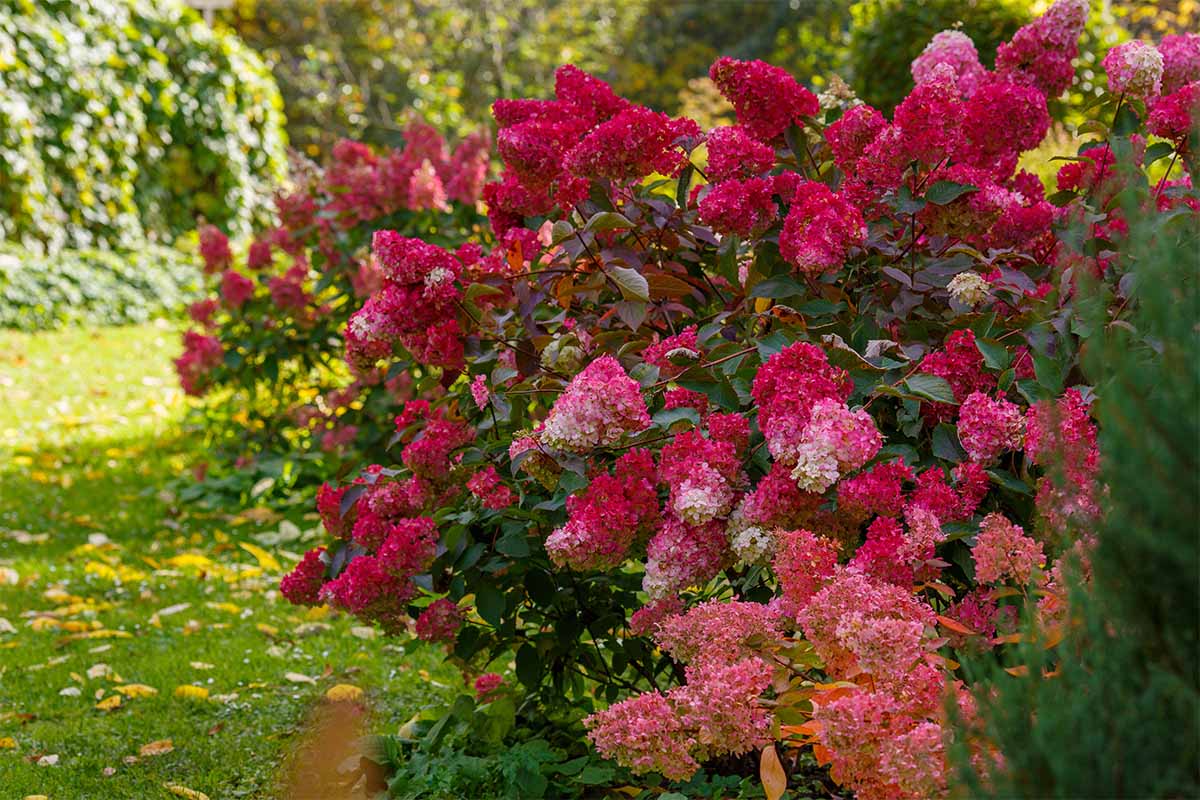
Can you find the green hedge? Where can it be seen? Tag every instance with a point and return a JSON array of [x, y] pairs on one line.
[[126, 119], [97, 287]]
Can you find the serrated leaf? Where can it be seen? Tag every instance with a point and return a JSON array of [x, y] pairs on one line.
[[929, 387], [943, 192], [775, 288], [633, 284], [607, 221]]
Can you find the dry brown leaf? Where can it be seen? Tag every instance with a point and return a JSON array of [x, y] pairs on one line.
[[774, 779], [159, 748], [297, 677]]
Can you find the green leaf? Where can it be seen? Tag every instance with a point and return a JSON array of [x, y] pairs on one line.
[[684, 184], [930, 387], [513, 544], [633, 284], [595, 775], [529, 666], [632, 312], [607, 221], [944, 192], [782, 286], [490, 603], [995, 355], [669, 416], [561, 231], [946, 445], [1157, 151]]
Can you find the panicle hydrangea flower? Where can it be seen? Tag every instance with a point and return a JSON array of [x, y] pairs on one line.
[[731, 428], [789, 384], [1181, 60], [410, 546], [406, 261], [879, 556], [287, 290], [969, 288], [777, 502], [425, 189], [1002, 552], [535, 148], [633, 144], [719, 633], [734, 153], [369, 530], [956, 50], [429, 455], [922, 535], [851, 134], [685, 398], [600, 405], [802, 564], [440, 621], [486, 684], [834, 441], [988, 428], [302, 586], [681, 555], [644, 734], [720, 703], [765, 98], [885, 647], [367, 589], [702, 475], [214, 249], [259, 254], [329, 507], [960, 364], [659, 353], [1176, 115], [852, 595], [1063, 433], [930, 118], [201, 311], [879, 490], [396, 499], [645, 621], [1041, 52], [745, 208], [201, 355], [880, 748], [820, 229], [487, 486], [479, 391], [752, 545], [608, 516], [1002, 120], [468, 168], [587, 94], [236, 289], [1134, 68]]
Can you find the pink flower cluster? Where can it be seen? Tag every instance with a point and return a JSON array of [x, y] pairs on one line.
[[1061, 437], [787, 388], [1041, 52], [960, 364], [734, 153], [953, 48], [766, 99], [820, 229], [1003, 552], [201, 355], [415, 307], [214, 249], [599, 406], [440, 621], [681, 555], [835, 441], [703, 475], [715, 713], [607, 517], [988, 428], [1134, 68], [487, 486], [1181, 60], [717, 632]]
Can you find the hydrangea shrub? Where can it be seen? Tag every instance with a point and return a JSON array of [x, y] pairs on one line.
[[761, 429], [266, 344]]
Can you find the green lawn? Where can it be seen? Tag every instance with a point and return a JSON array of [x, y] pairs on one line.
[[108, 585]]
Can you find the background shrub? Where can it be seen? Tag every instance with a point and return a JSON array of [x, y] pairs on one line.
[[95, 287], [124, 119]]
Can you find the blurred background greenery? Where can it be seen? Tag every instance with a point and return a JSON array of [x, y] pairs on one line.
[[353, 67]]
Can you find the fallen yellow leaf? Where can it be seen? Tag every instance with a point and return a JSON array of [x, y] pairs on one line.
[[183, 791], [109, 703], [8, 743], [344, 693], [137, 690], [189, 692], [265, 559], [159, 748]]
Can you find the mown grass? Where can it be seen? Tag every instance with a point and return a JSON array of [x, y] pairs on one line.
[[107, 581]]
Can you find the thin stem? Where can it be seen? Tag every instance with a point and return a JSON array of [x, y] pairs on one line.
[[1162, 181], [721, 360]]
